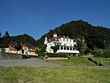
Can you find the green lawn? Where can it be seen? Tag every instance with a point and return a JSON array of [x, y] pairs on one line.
[[82, 61], [75, 70], [54, 75], [105, 61]]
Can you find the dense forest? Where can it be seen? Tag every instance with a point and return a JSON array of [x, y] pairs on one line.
[[25, 38], [96, 37]]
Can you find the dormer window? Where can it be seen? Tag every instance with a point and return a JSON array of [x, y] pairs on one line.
[[54, 35], [49, 39]]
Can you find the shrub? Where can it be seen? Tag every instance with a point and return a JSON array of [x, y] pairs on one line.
[[98, 54], [106, 54], [94, 52], [87, 50]]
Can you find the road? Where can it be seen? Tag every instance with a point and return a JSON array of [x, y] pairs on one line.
[[34, 62], [27, 62]]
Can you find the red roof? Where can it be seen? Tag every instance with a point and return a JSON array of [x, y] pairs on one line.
[[24, 45], [56, 38]]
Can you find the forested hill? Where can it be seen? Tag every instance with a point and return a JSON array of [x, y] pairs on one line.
[[95, 36], [19, 38]]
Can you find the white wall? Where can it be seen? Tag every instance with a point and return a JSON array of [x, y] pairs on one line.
[[63, 41]]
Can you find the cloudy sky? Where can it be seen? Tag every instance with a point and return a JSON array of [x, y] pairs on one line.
[[37, 17]]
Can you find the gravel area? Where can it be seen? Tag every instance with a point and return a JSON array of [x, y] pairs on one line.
[[34, 62], [27, 62]]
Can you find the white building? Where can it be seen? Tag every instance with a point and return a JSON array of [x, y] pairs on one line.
[[66, 45]]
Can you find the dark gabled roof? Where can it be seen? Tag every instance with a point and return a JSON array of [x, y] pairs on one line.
[[12, 43], [31, 46]]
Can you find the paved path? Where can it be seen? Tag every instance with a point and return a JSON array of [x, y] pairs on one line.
[[34, 62], [27, 62]]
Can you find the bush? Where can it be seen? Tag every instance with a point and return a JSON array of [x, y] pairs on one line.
[[41, 54], [87, 50], [94, 52], [106, 54], [98, 54]]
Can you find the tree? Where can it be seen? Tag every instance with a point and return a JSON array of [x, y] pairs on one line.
[[37, 50], [43, 48], [79, 45], [6, 34], [20, 38], [87, 50], [18, 46], [55, 48], [0, 40], [0, 34]]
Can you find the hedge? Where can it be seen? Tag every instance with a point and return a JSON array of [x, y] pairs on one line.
[[56, 54]]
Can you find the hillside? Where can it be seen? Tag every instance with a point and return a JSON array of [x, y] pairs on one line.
[[95, 36], [19, 38]]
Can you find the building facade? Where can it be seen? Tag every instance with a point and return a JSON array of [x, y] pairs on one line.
[[27, 49], [66, 45]]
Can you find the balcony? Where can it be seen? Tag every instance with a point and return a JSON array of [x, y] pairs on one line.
[[67, 51]]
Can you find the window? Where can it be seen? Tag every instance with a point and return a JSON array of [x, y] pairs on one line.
[[64, 44], [67, 39], [63, 39], [70, 47], [73, 48], [61, 47], [67, 48], [64, 48], [74, 40]]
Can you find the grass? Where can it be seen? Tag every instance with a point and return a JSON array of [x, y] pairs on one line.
[[67, 74], [105, 61], [81, 61], [54, 75]]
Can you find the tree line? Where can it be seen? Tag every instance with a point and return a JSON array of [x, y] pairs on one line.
[[6, 39]]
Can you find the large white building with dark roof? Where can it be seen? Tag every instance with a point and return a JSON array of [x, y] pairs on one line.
[[66, 45]]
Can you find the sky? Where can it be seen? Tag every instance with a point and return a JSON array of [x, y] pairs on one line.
[[38, 17]]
